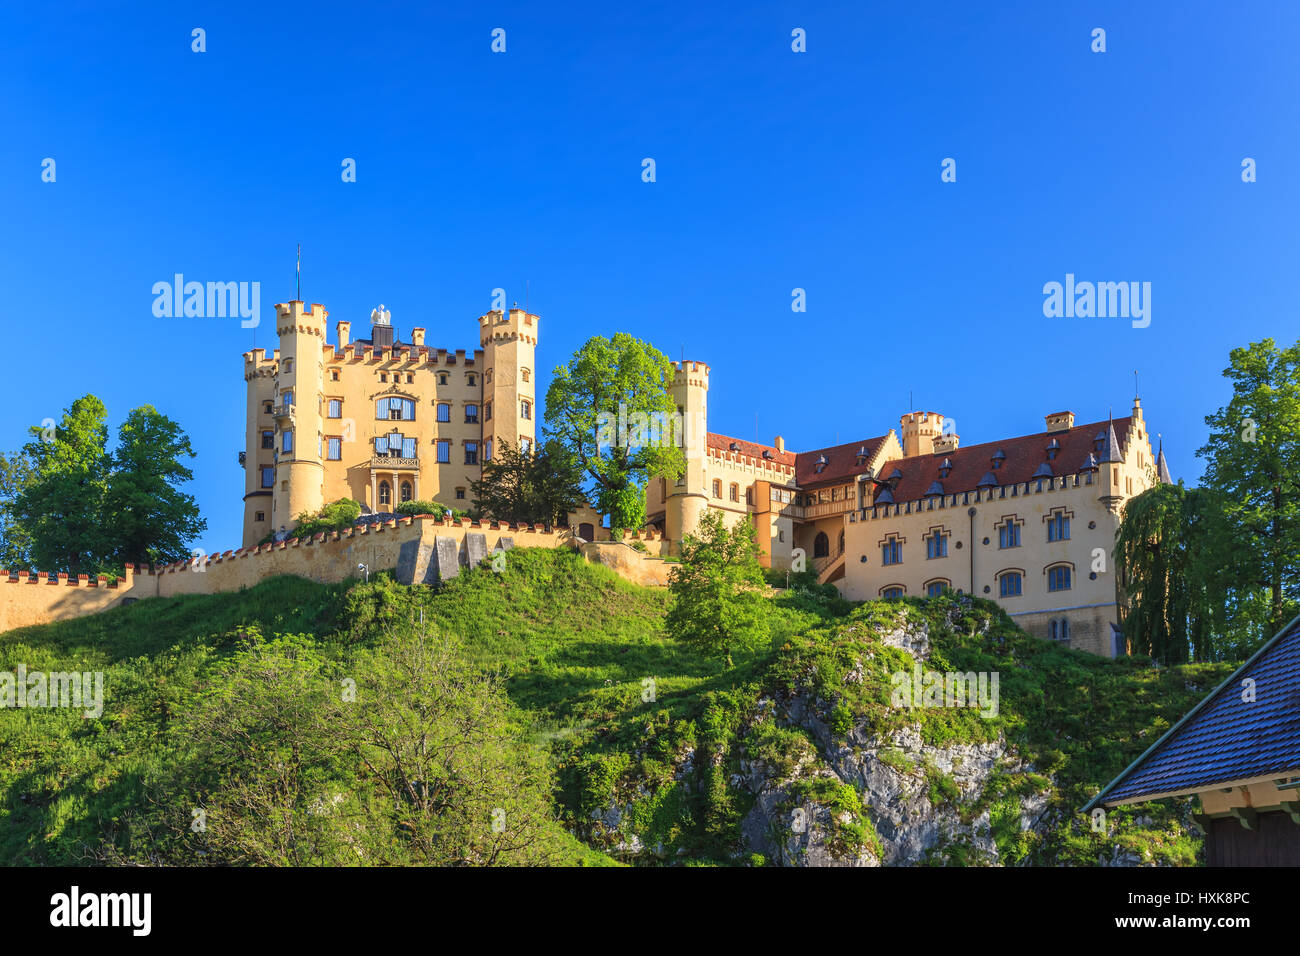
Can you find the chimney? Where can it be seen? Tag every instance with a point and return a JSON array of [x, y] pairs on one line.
[[1060, 422], [344, 331], [780, 445], [417, 336]]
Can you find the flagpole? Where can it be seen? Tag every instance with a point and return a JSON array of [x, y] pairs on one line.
[[299, 296]]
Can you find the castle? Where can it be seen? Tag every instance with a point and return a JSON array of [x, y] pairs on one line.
[[1027, 521], [379, 420]]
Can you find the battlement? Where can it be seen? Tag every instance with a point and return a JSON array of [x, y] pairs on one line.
[[407, 353], [516, 324], [291, 317], [690, 373], [1021, 489]]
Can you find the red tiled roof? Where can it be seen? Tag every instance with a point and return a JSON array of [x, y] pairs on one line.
[[1024, 456], [841, 462], [752, 449]]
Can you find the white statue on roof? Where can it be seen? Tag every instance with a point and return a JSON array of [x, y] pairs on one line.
[[380, 316]]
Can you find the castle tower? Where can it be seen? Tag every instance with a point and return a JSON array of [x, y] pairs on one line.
[[688, 497], [509, 411], [299, 393], [259, 376], [919, 432]]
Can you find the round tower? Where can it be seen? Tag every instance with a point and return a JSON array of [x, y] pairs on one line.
[[299, 392], [919, 432], [687, 498]]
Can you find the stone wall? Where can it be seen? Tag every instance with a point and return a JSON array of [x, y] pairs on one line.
[[418, 549]]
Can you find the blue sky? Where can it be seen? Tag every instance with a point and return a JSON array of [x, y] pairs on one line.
[[775, 170]]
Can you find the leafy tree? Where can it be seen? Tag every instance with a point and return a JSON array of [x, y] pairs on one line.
[[526, 487], [61, 507], [717, 589], [1166, 550], [609, 381], [15, 542], [147, 519], [1253, 462]]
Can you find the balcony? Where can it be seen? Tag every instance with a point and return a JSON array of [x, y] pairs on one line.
[[283, 412], [825, 509], [393, 463]]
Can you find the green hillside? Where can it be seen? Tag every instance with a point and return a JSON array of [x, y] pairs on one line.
[[596, 739]]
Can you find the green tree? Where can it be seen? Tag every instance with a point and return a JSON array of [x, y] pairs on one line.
[[1253, 462], [15, 543], [717, 589], [543, 485], [336, 516], [61, 507], [147, 519], [611, 415], [1166, 549]]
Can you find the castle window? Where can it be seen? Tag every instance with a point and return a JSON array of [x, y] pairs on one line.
[[444, 452], [526, 410], [717, 488], [471, 453], [735, 491], [287, 398], [406, 491], [525, 373], [1058, 578], [1058, 527], [268, 439], [1060, 629], [287, 365], [333, 449], [1010, 583], [487, 450], [841, 542], [487, 376], [286, 442], [891, 552], [471, 414], [749, 495], [891, 592], [385, 493], [444, 413], [487, 412], [335, 408], [780, 536], [936, 545], [395, 409], [936, 588], [260, 516], [525, 445], [442, 378], [268, 476], [334, 375], [821, 545], [473, 380], [383, 376], [460, 494], [266, 408], [1009, 534]]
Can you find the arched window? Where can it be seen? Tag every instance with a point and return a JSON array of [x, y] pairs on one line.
[[717, 488], [385, 493], [406, 491], [1010, 584], [893, 591], [821, 545], [734, 491], [935, 588], [1058, 577]]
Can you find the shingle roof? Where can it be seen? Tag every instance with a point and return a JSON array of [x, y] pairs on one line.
[[752, 449], [1226, 739], [841, 462], [1024, 455]]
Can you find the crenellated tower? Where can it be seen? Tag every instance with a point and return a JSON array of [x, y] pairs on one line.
[[510, 410], [297, 412], [687, 498]]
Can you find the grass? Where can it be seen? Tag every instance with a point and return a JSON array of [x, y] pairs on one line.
[[632, 719]]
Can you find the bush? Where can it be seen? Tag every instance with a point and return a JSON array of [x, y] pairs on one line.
[[339, 516]]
